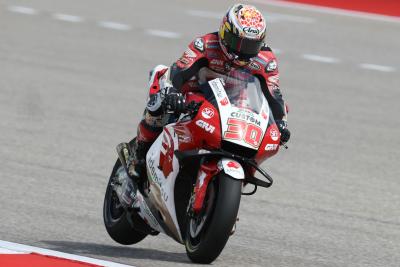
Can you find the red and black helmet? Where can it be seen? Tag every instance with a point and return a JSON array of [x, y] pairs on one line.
[[242, 33]]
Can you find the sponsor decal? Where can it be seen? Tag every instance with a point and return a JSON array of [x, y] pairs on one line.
[[205, 125], [164, 194], [153, 173], [149, 215], [217, 62], [245, 116], [166, 154], [190, 53], [183, 134], [274, 135], [185, 61], [212, 54], [253, 65], [199, 44], [272, 87], [217, 69], [233, 164], [274, 79], [224, 101], [271, 147], [264, 115], [239, 129], [233, 168], [251, 30], [207, 113], [271, 66], [219, 90]]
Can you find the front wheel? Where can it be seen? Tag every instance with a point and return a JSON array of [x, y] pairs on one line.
[[207, 234], [115, 217]]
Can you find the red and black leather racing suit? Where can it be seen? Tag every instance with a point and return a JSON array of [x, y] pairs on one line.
[[205, 55]]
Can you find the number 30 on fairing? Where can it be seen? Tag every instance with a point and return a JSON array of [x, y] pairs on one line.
[[241, 130]]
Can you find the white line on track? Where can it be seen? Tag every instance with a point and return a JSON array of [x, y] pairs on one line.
[[114, 25], [19, 248], [23, 10], [164, 34], [327, 10], [67, 18], [319, 58], [205, 14], [382, 68]]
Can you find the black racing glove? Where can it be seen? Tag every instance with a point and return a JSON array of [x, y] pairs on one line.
[[173, 100], [285, 133]]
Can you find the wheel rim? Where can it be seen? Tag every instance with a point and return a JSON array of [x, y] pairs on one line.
[[114, 209]]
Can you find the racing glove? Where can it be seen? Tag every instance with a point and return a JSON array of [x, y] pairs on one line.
[[173, 100], [285, 133]]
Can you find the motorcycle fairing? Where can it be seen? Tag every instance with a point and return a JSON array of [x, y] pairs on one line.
[[249, 127], [162, 170]]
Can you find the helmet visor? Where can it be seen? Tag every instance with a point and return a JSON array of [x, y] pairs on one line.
[[244, 48]]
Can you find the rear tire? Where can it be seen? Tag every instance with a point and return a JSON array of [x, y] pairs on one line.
[[212, 238], [115, 217]]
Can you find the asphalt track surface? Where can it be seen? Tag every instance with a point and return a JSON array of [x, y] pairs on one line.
[[70, 91]]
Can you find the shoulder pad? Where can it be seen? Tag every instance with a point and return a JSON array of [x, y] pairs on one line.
[[209, 40], [271, 66], [198, 43], [268, 59]]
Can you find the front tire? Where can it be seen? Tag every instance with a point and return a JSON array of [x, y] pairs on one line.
[[115, 217], [224, 197]]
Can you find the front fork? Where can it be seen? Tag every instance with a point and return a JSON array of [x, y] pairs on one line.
[[207, 171]]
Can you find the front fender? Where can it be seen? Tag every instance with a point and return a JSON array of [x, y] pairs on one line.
[[232, 168]]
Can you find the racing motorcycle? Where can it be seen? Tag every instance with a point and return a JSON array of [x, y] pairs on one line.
[[197, 170]]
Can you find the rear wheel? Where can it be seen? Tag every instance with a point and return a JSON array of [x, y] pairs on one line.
[[115, 217], [207, 233]]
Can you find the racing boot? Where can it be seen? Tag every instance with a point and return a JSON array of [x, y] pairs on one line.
[[138, 163], [134, 158]]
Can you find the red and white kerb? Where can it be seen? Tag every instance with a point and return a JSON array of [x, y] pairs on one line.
[[17, 255]]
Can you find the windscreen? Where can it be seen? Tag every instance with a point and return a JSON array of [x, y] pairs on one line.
[[243, 108], [242, 88]]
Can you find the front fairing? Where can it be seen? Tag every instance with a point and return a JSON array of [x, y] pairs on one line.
[[245, 115]]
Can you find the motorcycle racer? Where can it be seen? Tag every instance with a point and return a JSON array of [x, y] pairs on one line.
[[239, 43]]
